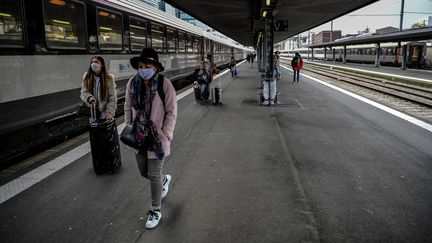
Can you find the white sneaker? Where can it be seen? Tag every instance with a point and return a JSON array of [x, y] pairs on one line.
[[165, 186], [153, 219], [266, 102]]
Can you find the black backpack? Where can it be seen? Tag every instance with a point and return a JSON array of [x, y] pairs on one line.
[[295, 62], [160, 90]]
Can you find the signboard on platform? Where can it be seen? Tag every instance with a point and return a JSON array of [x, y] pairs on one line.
[[280, 25], [430, 21]]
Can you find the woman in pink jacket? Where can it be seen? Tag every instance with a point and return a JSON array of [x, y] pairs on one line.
[[155, 118]]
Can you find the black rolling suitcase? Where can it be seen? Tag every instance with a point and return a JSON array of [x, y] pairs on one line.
[[104, 143], [197, 91], [217, 96]]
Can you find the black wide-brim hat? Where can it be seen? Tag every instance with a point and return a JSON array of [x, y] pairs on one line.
[[147, 55]]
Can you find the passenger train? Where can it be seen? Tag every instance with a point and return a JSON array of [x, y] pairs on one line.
[[419, 54], [46, 46]]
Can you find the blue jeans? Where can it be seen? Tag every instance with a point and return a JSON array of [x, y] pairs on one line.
[[205, 92], [277, 73], [296, 75]]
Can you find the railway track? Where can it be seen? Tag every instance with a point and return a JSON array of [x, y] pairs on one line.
[[407, 97]]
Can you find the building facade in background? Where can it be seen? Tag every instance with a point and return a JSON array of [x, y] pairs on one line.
[[386, 30], [324, 36], [153, 3], [163, 6]]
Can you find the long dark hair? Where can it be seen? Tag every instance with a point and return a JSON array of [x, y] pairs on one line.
[[89, 80]]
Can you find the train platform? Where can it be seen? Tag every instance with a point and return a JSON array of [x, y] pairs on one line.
[[321, 165], [422, 75]]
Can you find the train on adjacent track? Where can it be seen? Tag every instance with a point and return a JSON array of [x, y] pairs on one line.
[[419, 54], [46, 45]]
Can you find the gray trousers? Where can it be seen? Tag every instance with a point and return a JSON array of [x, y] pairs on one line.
[[155, 176]]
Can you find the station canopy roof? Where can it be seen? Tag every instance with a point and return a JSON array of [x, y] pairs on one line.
[[407, 35], [241, 20]]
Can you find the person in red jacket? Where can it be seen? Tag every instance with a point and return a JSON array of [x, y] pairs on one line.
[[297, 65]]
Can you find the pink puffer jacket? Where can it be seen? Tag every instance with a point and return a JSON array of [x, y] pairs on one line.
[[163, 118]]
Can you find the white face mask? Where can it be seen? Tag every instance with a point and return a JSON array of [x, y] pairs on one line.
[[96, 67]]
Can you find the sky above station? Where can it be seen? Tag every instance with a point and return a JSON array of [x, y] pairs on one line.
[[381, 14]]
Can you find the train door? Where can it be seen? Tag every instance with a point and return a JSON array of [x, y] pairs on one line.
[[415, 54]]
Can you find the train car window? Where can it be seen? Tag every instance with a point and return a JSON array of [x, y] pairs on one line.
[[207, 45], [109, 30], [11, 29], [138, 34], [171, 40], [216, 48], [181, 42], [197, 46], [157, 37], [190, 41], [65, 24]]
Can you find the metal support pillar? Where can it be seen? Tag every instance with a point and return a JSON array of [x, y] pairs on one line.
[[312, 54], [308, 45], [377, 56], [400, 50], [260, 56], [331, 31], [344, 55], [263, 55], [334, 54], [269, 89], [269, 47], [401, 15], [404, 56], [325, 54]]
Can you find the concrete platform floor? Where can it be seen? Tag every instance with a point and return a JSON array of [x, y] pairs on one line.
[[319, 166]]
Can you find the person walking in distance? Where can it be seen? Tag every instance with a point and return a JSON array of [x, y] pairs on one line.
[[151, 105], [204, 79], [297, 65], [232, 67]]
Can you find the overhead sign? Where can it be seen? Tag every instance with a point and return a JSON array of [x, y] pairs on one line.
[[280, 25]]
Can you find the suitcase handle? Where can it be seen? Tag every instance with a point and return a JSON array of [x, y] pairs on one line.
[[93, 115]]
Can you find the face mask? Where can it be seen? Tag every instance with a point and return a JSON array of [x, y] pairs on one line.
[[146, 73], [207, 66], [96, 67]]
